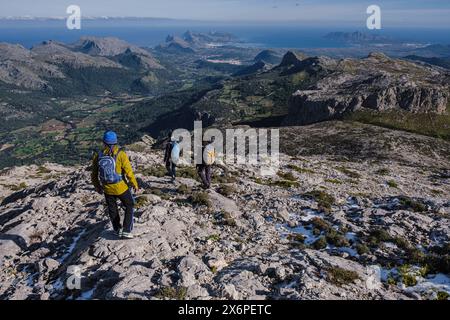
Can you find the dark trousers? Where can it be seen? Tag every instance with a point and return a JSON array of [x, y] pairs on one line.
[[127, 201], [205, 173], [171, 168]]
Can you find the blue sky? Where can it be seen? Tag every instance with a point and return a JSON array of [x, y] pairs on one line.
[[414, 13]]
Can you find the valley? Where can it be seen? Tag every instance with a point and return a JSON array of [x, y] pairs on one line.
[[58, 98]]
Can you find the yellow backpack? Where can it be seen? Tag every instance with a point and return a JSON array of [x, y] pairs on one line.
[[209, 155]]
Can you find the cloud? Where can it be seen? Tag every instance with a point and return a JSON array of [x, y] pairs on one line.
[[405, 12]]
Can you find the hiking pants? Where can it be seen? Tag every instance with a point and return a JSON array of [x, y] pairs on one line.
[[113, 211], [171, 168], [205, 173]]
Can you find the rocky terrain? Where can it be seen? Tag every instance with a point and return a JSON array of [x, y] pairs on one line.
[[344, 218], [377, 83], [36, 68]]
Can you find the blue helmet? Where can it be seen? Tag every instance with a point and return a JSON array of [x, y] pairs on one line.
[[110, 137]]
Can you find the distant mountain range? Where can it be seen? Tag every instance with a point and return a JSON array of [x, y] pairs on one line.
[[97, 83], [191, 41], [42, 67], [441, 62], [359, 37]]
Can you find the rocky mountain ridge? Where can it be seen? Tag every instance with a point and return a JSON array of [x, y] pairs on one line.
[[35, 69], [377, 83]]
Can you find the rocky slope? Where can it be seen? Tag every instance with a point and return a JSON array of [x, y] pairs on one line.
[[269, 56], [18, 67], [175, 44], [60, 54], [376, 83], [316, 230], [49, 61]]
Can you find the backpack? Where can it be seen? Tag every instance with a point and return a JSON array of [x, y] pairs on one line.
[[107, 168], [209, 155], [175, 153]]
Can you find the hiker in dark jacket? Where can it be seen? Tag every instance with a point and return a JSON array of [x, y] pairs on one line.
[[204, 169], [110, 167]]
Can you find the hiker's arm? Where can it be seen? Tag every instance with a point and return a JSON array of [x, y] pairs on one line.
[[128, 170], [94, 174]]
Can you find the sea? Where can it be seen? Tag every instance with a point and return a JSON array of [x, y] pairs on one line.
[[151, 32]]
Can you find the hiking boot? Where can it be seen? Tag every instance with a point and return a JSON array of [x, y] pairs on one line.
[[118, 233], [127, 235]]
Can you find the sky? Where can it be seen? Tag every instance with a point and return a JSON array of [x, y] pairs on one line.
[[407, 13]]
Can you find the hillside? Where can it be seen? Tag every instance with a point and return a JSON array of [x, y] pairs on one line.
[[313, 231], [58, 98], [376, 83]]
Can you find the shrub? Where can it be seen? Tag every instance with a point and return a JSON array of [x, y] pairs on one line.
[[337, 239], [286, 176], [409, 280], [226, 190], [383, 171], [411, 204], [392, 184], [339, 276], [226, 219], [286, 184], [324, 200], [188, 172], [260, 181], [333, 181], [213, 238], [377, 236], [137, 147], [184, 189], [362, 249], [43, 170], [200, 199], [297, 237], [299, 169], [442, 295], [437, 263], [36, 236], [320, 224], [140, 202], [19, 187], [401, 243], [158, 192], [224, 178], [349, 173], [320, 243], [172, 293], [158, 171]]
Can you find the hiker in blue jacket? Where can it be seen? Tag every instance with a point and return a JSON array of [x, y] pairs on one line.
[[171, 156]]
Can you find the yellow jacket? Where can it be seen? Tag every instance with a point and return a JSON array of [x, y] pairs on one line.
[[123, 168]]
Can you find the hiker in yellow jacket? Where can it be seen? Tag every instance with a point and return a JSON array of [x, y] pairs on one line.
[[111, 169]]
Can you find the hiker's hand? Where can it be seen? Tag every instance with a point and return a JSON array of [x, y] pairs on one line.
[[137, 190]]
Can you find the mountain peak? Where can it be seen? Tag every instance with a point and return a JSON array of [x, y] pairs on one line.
[[291, 58], [269, 56], [378, 56], [107, 46]]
